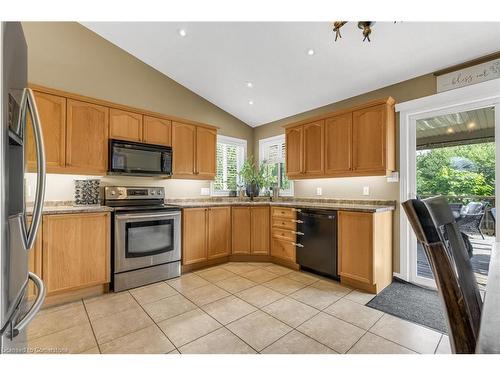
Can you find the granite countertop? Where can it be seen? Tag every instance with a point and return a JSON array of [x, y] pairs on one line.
[[68, 207], [333, 204], [61, 207]]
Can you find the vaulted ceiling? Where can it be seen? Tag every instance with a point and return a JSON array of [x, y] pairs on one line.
[[218, 60]]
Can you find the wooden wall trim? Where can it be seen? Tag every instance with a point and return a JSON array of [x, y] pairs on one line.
[[109, 104], [388, 100]]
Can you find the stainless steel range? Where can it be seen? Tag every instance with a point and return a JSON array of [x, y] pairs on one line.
[[146, 236]]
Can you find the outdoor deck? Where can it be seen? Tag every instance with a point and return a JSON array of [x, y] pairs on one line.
[[480, 260]]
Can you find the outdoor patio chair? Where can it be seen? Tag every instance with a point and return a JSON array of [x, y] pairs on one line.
[[471, 218], [455, 280]]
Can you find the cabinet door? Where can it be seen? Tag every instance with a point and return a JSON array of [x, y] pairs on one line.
[[194, 235], [260, 227], [157, 131], [338, 144], [219, 232], [206, 145], [76, 251], [314, 148], [125, 125], [86, 137], [283, 249], [369, 139], [241, 223], [35, 259], [183, 148], [294, 151], [52, 111], [355, 232]]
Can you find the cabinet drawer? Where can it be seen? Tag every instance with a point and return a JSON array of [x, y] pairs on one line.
[[284, 223], [289, 213], [284, 234], [283, 249]]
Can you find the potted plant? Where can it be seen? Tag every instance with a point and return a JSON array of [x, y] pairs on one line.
[[232, 186], [255, 179]]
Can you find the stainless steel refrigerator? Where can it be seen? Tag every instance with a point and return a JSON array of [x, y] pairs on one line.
[[17, 237]]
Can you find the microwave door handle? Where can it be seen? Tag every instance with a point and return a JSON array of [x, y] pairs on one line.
[[37, 305], [28, 101]]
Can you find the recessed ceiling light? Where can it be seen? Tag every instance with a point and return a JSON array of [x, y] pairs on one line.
[[250, 102], [310, 52], [182, 32], [471, 125], [449, 130], [249, 85]]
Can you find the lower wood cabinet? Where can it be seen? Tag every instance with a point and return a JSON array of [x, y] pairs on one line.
[[365, 249], [206, 234], [283, 233], [75, 251], [250, 227]]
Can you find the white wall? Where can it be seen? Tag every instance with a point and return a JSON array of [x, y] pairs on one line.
[[60, 187]]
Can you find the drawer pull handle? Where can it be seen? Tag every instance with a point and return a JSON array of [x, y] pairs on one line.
[[297, 233], [298, 244], [298, 221], [296, 209]]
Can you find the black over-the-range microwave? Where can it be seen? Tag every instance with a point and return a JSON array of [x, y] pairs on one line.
[[139, 159]]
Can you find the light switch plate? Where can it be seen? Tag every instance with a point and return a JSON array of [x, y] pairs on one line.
[[205, 191], [319, 191], [366, 190], [393, 177]]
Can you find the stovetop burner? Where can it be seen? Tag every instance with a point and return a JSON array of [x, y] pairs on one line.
[[134, 198]]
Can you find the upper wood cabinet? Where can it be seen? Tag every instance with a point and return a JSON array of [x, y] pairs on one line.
[[294, 151], [206, 147], [373, 139], [52, 112], [219, 232], [184, 149], [86, 137], [194, 148], [157, 131], [356, 142], [338, 144], [313, 148], [365, 261], [125, 125], [76, 251]]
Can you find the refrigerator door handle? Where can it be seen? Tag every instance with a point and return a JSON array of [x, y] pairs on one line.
[[28, 101], [37, 305]]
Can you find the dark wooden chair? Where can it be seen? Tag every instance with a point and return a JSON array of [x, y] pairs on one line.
[[435, 227]]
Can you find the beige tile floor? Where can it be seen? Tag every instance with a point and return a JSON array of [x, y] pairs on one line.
[[231, 308]]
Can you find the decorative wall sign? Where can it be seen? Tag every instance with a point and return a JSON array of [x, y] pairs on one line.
[[469, 76], [87, 192]]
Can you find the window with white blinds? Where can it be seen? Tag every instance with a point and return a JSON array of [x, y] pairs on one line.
[[231, 154], [272, 151]]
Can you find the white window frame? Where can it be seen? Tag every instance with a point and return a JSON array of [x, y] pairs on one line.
[[485, 94], [271, 140], [230, 141]]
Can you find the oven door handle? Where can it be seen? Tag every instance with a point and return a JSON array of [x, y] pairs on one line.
[[146, 216]]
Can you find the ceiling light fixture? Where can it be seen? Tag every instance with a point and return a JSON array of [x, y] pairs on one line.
[[471, 125], [366, 26], [310, 52], [249, 85], [250, 102], [182, 32], [449, 130]]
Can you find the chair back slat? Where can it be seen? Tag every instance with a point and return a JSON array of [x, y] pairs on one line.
[[458, 317]]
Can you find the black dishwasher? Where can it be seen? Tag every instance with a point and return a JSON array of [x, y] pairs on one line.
[[317, 241]]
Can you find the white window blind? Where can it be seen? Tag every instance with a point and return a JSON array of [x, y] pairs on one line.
[[272, 151], [231, 154]]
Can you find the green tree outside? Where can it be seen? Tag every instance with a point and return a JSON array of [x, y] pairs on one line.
[[457, 170]]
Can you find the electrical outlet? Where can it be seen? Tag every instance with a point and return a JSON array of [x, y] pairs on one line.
[[366, 190], [205, 191], [319, 191]]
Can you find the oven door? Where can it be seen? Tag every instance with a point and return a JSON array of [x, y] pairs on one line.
[[146, 239]]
